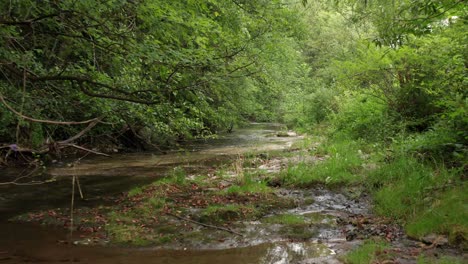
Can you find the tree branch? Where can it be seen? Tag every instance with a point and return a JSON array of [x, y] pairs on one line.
[[81, 133], [205, 225], [46, 121], [85, 149]]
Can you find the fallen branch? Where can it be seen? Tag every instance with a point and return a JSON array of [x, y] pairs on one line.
[[85, 149], [15, 182], [205, 225], [25, 184]]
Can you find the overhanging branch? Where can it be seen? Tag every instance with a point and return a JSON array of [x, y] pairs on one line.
[[45, 121]]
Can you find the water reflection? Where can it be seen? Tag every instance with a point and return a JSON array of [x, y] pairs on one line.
[[284, 253]]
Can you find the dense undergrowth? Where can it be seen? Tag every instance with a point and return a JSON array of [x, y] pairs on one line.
[[394, 114]]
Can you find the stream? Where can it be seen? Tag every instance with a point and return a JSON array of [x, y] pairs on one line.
[[330, 212], [101, 176]]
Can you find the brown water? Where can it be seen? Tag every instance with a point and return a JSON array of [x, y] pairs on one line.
[[262, 243], [102, 176], [99, 176], [33, 244]]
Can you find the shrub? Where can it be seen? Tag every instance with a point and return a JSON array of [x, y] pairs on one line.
[[363, 117]]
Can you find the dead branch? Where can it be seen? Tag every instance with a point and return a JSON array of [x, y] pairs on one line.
[[82, 132], [24, 184], [205, 225], [85, 149], [16, 181]]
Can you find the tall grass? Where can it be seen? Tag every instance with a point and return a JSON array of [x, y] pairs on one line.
[[425, 199], [342, 164]]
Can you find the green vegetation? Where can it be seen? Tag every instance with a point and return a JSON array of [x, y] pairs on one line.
[[161, 212], [381, 83], [227, 213], [388, 94], [443, 260], [144, 74], [285, 219], [370, 252], [342, 165]]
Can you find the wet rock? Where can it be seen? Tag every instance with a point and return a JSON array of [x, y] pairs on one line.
[[282, 134], [351, 235], [275, 182], [435, 240]]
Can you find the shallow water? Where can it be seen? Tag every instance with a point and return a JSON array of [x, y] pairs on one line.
[[99, 176], [35, 244]]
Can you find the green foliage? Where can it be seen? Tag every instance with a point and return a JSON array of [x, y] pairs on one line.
[[252, 187], [178, 176], [158, 70], [363, 117], [440, 143], [443, 216], [442, 260]]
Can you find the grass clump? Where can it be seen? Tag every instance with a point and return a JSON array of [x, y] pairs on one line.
[[246, 182], [249, 186], [232, 212], [369, 252], [135, 191], [426, 200], [342, 166], [178, 176], [122, 233], [446, 214], [285, 219]]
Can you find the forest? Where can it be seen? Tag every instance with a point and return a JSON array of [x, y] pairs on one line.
[[381, 85]]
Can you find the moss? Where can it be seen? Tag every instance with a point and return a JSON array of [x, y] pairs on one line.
[[228, 213], [298, 232], [285, 219], [319, 219]]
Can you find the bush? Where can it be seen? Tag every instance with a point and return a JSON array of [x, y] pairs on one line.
[[363, 117]]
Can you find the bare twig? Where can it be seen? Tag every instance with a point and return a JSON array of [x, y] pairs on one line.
[[15, 182], [72, 205], [24, 184], [205, 225]]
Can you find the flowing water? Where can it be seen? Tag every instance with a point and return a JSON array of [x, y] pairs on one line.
[[100, 176], [338, 223]]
